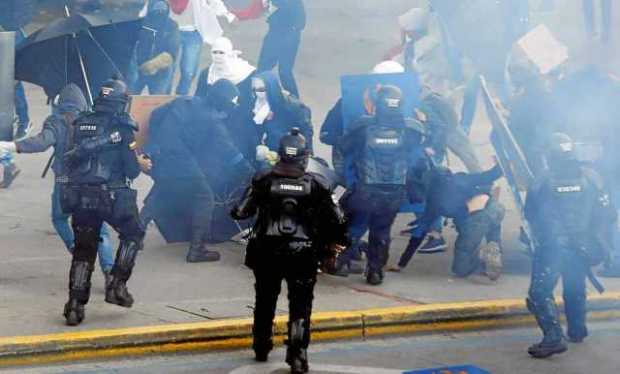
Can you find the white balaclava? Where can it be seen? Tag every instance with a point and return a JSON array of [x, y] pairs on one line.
[[226, 63], [262, 110]]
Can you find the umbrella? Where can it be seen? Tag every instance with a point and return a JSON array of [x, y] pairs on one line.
[[81, 49]]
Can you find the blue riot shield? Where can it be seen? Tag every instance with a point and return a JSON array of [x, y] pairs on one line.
[[358, 92]]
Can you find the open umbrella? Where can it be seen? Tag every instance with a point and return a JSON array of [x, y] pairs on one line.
[[81, 49]]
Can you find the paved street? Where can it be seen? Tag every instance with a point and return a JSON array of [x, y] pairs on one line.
[[34, 263], [498, 352]]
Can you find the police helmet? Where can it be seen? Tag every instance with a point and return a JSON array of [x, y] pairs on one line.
[[293, 148], [389, 100], [114, 92], [561, 147]]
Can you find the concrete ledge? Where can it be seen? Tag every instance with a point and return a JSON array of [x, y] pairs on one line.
[[236, 333]]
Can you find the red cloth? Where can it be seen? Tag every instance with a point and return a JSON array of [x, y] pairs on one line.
[[252, 11], [178, 6]]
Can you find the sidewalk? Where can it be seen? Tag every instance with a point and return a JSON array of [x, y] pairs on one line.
[[34, 264]]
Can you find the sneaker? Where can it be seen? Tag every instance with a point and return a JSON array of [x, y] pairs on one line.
[[195, 255], [23, 131], [491, 255], [433, 245], [10, 173]]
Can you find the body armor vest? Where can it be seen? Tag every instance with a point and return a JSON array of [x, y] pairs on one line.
[[572, 201], [288, 207], [384, 160], [97, 144]]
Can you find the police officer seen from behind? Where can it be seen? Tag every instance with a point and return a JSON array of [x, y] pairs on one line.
[[101, 163], [566, 207], [383, 148], [297, 223]]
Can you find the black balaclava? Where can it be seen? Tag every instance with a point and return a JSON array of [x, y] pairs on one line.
[[223, 96]]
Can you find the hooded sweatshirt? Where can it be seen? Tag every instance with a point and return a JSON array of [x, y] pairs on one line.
[[286, 112], [71, 102]]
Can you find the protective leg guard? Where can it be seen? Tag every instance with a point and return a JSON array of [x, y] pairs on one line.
[[117, 293], [553, 342], [296, 354], [79, 292]]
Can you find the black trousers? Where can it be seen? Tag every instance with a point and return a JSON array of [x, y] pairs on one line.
[[87, 221], [281, 49], [299, 271]]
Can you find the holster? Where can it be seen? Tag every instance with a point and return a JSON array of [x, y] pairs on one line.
[[123, 203]]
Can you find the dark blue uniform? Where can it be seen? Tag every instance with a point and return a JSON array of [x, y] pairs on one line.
[[296, 222], [383, 150], [566, 211], [100, 165]]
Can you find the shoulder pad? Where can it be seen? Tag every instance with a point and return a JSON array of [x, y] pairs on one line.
[[363, 121], [415, 125], [321, 181], [593, 177], [259, 176], [127, 120]]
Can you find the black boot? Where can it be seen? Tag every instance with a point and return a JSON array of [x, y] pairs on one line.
[[118, 294], [548, 347], [79, 292], [298, 339], [297, 360], [74, 312], [547, 317], [374, 277], [261, 354]]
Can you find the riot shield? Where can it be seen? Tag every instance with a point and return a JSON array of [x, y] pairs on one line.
[[510, 158]]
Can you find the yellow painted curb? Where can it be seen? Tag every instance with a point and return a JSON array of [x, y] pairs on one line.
[[236, 333]]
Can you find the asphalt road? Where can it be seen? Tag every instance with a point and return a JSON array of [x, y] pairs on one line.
[[496, 351]]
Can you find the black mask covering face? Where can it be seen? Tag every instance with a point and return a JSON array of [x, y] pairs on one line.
[[157, 19]]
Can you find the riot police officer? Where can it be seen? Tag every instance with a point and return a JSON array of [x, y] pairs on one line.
[[383, 148], [566, 208], [100, 164], [298, 222]]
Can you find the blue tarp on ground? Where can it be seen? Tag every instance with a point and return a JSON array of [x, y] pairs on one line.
[[465, 369]]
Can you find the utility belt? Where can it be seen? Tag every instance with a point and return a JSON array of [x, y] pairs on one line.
[[116, 201]]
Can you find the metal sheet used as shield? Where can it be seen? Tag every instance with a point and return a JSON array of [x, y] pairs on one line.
[[510, 158], [141, 108], [358, 92]]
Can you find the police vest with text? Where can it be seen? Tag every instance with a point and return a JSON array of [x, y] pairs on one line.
[[289, 203], [384, 160]]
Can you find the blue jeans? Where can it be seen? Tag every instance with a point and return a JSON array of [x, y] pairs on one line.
[[60, 220], [21, 105], [191, 48]]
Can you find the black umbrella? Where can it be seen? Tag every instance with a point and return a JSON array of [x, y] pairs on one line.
[[81, 49]]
